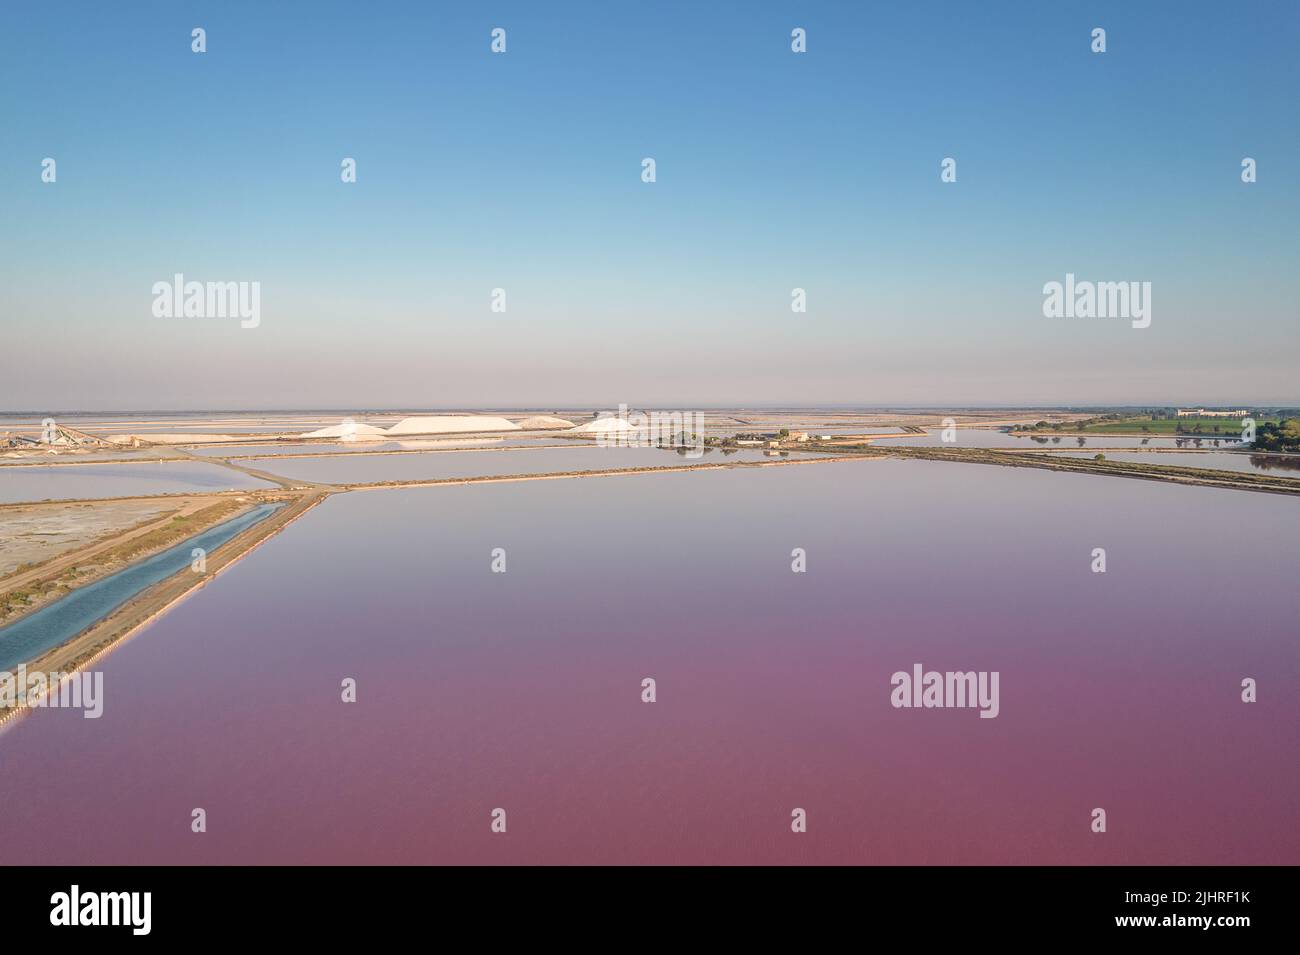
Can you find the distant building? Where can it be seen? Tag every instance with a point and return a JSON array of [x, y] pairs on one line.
[[1206, 413]]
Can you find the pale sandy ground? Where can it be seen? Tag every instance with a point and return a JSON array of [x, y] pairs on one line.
[[33, 533], [189, 438]]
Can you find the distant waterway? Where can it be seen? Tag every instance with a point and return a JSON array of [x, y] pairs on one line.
[[62, 620]]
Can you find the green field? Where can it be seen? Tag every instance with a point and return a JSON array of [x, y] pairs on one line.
[[1145, 425]]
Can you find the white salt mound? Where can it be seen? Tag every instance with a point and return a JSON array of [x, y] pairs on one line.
[[349, 430], [606, 426], [544, 422], [452, 424], [426, 444]]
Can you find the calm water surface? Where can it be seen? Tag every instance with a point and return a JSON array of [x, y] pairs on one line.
[[80, 457], [1276, 465], [522, 690], [69, 481], [985, 438], [356, 469]]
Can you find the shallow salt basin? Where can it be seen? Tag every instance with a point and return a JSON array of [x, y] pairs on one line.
[[68, 482], [1274, 465], [522, 689], [86, 457], [434, 465]]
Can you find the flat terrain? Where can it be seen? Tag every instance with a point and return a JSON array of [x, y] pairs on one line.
[[31, 588], [35, 533]]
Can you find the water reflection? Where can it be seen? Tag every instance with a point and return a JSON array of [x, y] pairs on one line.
[[1273, 462]]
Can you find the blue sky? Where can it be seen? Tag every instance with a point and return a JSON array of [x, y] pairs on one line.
[[522, 171]]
